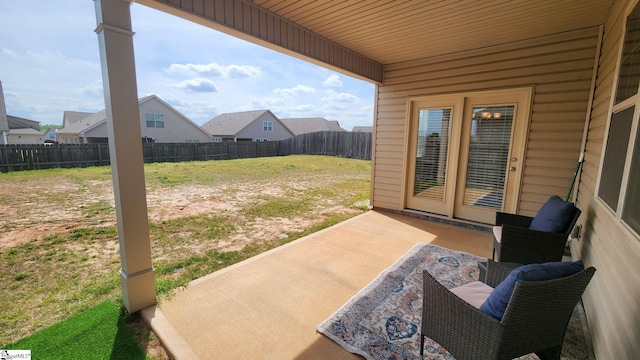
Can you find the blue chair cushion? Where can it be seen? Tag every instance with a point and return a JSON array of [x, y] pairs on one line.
[[554, 216], [496, 303]]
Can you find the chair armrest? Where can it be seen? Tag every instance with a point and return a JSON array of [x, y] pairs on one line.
[[513, 219], [497, 272], [527, 246], [451, 321]]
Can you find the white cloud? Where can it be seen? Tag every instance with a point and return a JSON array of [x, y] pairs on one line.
[[199, 85], [332, 81], [9, 52], [95, 90], [333, 96], [294, 91], [215, 70]]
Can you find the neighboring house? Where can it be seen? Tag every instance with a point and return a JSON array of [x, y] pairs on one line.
[[4, 122], [159, 122], [24, 131], [25, 136], [362, 129], [16, 130], [51, 136], [308, 125], [258, 125]]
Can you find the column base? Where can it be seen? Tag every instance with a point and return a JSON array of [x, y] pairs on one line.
[[138, 290]]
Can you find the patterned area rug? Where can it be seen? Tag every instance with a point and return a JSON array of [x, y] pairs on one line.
[[383, 320]]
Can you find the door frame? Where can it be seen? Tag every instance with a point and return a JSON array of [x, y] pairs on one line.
[[519, 138]]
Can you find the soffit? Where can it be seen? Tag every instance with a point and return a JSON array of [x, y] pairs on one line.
[[392, 31]]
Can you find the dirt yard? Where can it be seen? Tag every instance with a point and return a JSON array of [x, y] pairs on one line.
[[59, 242]]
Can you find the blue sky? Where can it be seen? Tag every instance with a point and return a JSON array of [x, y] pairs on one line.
[[49, 63]]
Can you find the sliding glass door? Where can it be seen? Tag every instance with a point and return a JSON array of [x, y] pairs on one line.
[[465, 153]]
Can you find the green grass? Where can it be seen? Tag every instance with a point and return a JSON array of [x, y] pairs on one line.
[[98, 333]]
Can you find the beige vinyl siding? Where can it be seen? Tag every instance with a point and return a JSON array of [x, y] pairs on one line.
[[611, 300], [560, 67]]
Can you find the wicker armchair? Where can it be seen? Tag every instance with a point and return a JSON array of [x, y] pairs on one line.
[[517, 243], [535, 319]]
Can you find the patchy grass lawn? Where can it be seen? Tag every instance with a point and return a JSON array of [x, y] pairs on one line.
[[58, 238]]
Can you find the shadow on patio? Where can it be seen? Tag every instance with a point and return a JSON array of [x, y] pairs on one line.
[[267, 307]]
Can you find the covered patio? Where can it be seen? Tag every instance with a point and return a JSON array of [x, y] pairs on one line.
[[559, 78], [267, 307]]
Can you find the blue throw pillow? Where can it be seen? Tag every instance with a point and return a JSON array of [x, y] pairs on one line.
[[496, 303], [554, 216]]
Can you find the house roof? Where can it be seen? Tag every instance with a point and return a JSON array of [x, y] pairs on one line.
[[4, 123], [85, 124], [362, 129], [70, 117], [230, 124], [80, 125], [25, 131], [308, 125], [22, 123]]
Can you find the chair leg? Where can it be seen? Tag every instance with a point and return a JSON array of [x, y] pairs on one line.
[[421, 344], [550, 353]]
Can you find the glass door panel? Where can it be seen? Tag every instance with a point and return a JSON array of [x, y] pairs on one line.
[[431, 153], [489, 145]]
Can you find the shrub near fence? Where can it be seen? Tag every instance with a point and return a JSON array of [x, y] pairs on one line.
[[37, 156]]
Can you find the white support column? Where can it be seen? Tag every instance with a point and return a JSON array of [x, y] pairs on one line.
[[125, 148]]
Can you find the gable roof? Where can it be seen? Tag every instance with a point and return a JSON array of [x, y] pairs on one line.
[[71, 117], [25, 131], [22, 123], [81, 125], [362, 129], [308, 125], [4, 123], [232, 123]]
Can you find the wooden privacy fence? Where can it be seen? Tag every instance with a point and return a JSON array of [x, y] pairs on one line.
[[37, 156], [355, 145]]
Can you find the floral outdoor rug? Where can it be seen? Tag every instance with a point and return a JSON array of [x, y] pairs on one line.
[[383, 320]]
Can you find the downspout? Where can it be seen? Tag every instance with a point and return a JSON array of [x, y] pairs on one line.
[[587, 120]]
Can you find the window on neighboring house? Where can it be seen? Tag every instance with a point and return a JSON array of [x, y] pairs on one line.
[[619, 185], [154, 120], [267, 125]]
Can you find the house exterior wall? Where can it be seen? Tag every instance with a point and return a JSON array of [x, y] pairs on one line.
[[70, 139], [99, 131], [255, 130], [15, 139], [611, 300], [176, 128], [560, 68]]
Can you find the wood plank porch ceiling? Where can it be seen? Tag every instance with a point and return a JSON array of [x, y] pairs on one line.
[[374, 33]]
